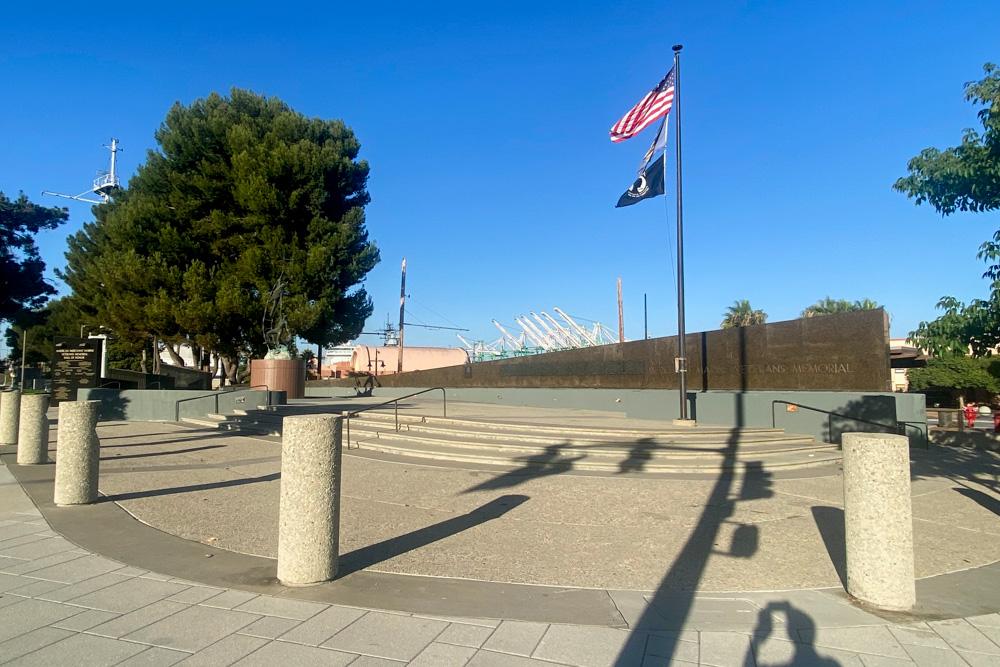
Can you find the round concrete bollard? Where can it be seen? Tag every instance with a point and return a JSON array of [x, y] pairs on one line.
[[77, 453], [879, 520], [10, 409], [33, 430], [309, 515]]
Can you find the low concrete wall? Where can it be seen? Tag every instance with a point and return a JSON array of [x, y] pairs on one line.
[[824, 415], [159, 405]]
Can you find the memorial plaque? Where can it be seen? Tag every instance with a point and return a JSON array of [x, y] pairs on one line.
[[75, 365]]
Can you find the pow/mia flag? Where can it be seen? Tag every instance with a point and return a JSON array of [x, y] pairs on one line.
[[648, 184]]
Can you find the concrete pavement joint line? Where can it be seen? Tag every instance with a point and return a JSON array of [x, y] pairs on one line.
[[949, 525], [825, 501], [940, 489]]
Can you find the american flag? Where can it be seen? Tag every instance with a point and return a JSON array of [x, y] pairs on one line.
[[656, 104]]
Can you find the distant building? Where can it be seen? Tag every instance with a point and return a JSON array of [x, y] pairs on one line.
[[902, 357], [337, 360], [385, 360]]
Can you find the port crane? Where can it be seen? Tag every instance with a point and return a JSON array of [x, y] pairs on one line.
[[104, 186]]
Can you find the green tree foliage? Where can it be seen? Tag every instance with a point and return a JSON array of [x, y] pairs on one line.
[[828, 306], [62, 318], [957, 375], [962, 328], [58, 317], [964, 178], [742, 314], [22, 285], [242, 192]]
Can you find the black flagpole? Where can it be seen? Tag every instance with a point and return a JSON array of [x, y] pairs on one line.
[[680, 363]]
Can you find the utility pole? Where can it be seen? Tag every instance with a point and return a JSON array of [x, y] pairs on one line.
[[24, 353], [402, 304], [621, 314], [645, 318]]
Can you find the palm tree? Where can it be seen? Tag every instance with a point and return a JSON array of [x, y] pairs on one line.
[[828, 306], [742, 314]]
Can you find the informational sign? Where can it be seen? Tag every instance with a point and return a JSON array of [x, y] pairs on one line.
[[75, 365]]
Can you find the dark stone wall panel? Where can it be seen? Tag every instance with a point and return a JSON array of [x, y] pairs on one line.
[[844, 352]]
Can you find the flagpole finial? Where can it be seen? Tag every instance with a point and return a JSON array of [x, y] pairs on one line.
[[678, 47]]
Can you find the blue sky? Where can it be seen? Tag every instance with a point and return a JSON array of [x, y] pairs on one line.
[[485, 125]]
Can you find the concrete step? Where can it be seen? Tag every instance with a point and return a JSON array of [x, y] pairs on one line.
[[583, 436], [677, 431], [593, 463], [209, 421], [473, 442], [250, 427], [517, 444]]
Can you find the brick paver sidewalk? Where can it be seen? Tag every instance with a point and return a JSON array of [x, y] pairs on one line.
[[60, 605]]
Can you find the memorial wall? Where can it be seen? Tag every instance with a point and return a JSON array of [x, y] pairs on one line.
[[843, 352]]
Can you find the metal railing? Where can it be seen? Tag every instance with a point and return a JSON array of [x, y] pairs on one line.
[[900, 426], [217, 394], [395, 403]]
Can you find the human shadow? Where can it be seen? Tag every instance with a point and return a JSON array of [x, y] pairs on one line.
[[132, 495], [801, 632], [987, 501], [830, 522], [165, 453], [551, 462], [365, 557]]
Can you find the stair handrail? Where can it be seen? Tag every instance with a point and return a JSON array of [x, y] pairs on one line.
[[901, 426], [216, 394], [395, 403]]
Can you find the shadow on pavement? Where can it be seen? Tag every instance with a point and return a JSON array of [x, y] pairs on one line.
[[987, 501], [805, 652], [132, 495], [535, 466], [195, 437], [830, 522], [363, 558], [978, 465], [164, 453], [144, 435], [639, 456], [674, 598]]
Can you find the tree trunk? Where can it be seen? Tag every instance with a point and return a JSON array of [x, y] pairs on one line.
[[143, 364], [156, 355], [319, 362], [175, 358], [230, 368]]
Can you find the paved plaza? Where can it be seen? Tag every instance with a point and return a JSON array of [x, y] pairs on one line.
[[444, 565]]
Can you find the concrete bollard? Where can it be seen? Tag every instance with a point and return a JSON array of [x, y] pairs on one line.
[[33, 430], [879, 520], [309, 515], [78, 453], [10, 412]]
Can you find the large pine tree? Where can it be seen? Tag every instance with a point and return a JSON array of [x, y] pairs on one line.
[[242, 192], [22, 283]]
